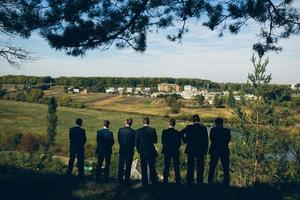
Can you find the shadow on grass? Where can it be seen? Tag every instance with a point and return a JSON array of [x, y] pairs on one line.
[[23, 185]]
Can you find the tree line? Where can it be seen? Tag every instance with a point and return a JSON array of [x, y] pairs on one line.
[[109, 81]]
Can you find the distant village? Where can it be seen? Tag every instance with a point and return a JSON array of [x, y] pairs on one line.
[[186, 92], [162, 89]]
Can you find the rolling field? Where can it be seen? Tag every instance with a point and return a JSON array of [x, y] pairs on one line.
[[139, 105], [20, 117], [146, 106]]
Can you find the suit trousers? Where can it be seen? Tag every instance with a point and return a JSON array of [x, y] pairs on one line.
[[176, 164], [225, 165], [124, 161], [107, 159], [145, 162], [80, 162], [191, 161]]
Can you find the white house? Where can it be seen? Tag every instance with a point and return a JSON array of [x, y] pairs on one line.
[[76, 90], [138, 89], [189, 88], [294, 86], [147, 89], [129, 90], [237, 98], [120, 89], [110, 90]]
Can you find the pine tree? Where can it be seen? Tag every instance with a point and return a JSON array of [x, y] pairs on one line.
[[258, 126], [51, 122]]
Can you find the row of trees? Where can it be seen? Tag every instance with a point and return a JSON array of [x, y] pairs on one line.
[[98, 82]]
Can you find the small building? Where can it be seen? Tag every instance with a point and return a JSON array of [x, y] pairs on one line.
[[138, 89], [129, 90], [189, 88], [120, 89], [147, 89], [295, 86], [76, 90], [110, 90], [237, 98], [168, 87]]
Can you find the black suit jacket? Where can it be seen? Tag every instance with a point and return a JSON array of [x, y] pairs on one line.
[[105, 141], [171, 141], [126, 139], [146, 137], [196, 138], [220, 138], [77, 139]]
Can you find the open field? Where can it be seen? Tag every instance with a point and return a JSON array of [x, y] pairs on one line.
[[150, 106], [20, 117], [139, 104]]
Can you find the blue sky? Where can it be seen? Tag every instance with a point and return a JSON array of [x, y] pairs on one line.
[[202, 54]]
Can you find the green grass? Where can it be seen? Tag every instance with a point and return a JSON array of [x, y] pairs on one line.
[[20, 117]]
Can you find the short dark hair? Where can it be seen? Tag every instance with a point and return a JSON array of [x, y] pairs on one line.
[[196, 118], [106, 123], [146, 120], [78, 122], [129, 121], [172, 121], [219, 121]]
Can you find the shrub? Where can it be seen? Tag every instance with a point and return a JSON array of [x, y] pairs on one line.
[[77, 104], [296, 100], [10, 142], [34, 162], [30, 143], [184, 117], [2, 93], [64, 100], [34, 95], [175, 108], [166, 116]]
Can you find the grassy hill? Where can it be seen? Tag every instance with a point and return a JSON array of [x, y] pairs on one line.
[[21, 117], [138, 104]]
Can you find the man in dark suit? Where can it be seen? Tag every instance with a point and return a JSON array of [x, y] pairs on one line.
[[220, 138], [105, 141], [196, 138], [126, 139], [77, 141], [145, 139], [171, 141]]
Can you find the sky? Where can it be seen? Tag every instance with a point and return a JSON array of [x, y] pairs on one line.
[[201, 54]]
